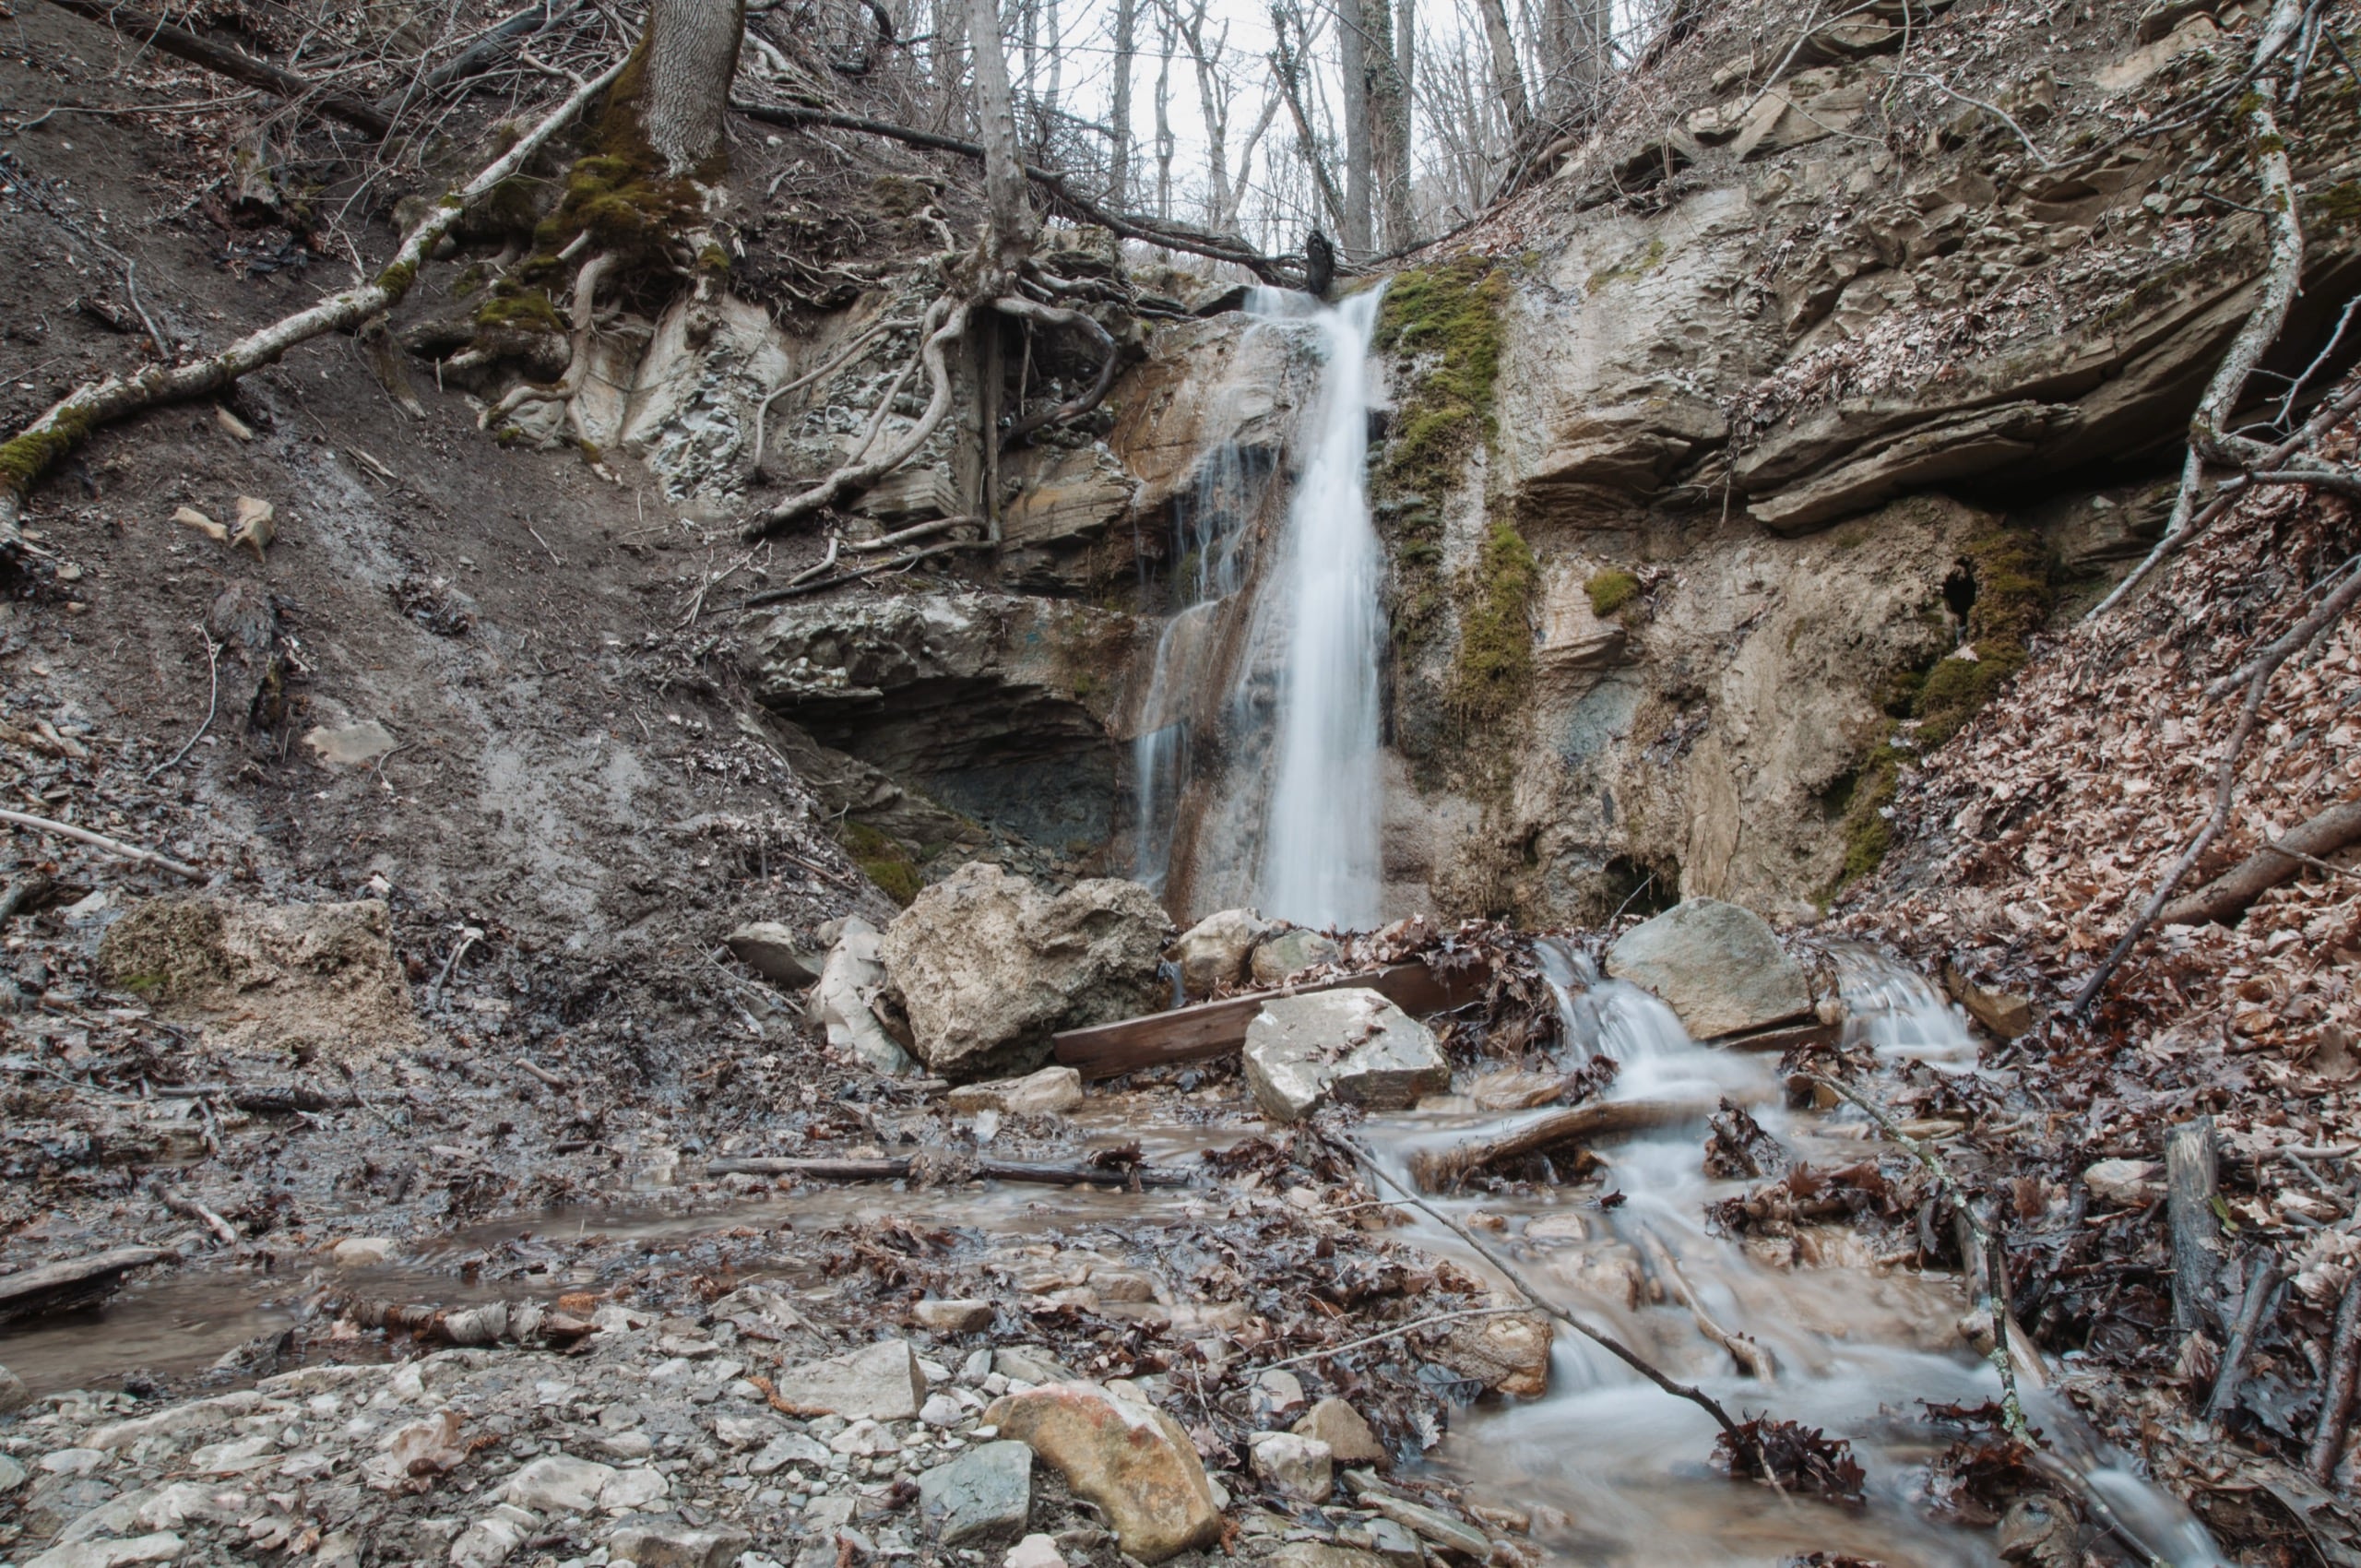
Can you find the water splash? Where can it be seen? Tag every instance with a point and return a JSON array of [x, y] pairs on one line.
[[1319, 861], [1897, 1011]]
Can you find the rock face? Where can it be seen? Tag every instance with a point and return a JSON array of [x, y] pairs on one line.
[[1351, 1045], [1717, 965], [1290, 953], [1133, 1460], [880, 1382], [988, 967], [840, 1004], [1213, 952], [317, 978]]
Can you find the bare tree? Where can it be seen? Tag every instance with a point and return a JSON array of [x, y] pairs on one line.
[[1353, 66], [1164, 144], [1289, 57], [1508, 77]]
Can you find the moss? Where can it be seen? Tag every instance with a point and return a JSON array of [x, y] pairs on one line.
[[592, 453], [1495, 627], [28, 457], [2338, 204], [1867, 835], [397, 279], [1446, 321], [1647, 262], [468, 281], [897, 196], [713, 259], [529, 310], [1611, 591], [883, 860]]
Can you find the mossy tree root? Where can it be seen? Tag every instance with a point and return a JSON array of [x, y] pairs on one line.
[[577, 370], [25, 458]]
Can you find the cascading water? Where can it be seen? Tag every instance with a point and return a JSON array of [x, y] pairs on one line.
[[1320, 863]]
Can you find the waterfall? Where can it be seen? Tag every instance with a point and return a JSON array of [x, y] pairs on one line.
[[1320, 863]]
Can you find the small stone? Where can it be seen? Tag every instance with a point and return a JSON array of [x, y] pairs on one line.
[[73, 1461], [633, 1489], [491, 1539], [942, 1410], [1445, 1532], [1290, 953], [744, 1431], [952, 1317], [1349, 1437], [1133, 1462], [360, 1252], [1048, 1092], [882, 1382], [772, 951], [1030, 1364], [12, 1475], [2127, 1184], [984, 1495], [1508, 1354], [559, 1483], [677, 1545], [13, 1394], [1278, 1393], [1033, 1551], [792, 1448], [1300, 1467], [1352, 1045], [1213, 952], [828, 1512]]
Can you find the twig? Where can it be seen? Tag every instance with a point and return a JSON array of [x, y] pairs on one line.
[[100, 841], [232, 63], [1755, 1360], [212, 701], [1394, 1333], [2336, 1393], [544, 544], [189, 1208], [796, 590], [2266, 1287], [554, 1080], [468, 937], [1996, 1283], [1993, 109]]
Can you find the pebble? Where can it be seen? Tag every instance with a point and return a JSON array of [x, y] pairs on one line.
[[1033, 1551]]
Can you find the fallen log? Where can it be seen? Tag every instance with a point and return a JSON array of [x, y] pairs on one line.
[[2193, 1199], [521, 1323], [1215, 1028], [1077, 1174], [239, 66], [2226, 897], [77, 1282], [1437, 1167]]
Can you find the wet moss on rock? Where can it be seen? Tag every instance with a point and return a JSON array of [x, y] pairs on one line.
[[1611, 591], [1446, 321], [884, 862], [1495, 663], [529, 310]]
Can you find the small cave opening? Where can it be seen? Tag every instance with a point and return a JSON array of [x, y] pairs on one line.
[[1959, 591]]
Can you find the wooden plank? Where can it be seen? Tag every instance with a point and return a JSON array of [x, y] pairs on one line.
[[1215, 1028], [77, 1282]]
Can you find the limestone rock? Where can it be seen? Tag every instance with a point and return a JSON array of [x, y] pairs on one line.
[[988, 966], [1132, 1460], [1045, 1093], [952, 1317], [1353, 1045], [673, 1545], [841, 1004], [491, 1539], [882, 1382], [13, 1397], [1300, 1467], [775, 953], [984, 1495], [1290, 953], [1716, 964], [161, 1547], [2127, 1184], [1349, 1437], [1035, 1551], [1508, 1354], [2007, 1013], [1805, 108], [559, 1483], [1213, 951]]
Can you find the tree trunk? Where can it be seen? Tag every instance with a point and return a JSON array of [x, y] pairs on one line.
[[1011, 214], [1389, 108], [687, 57], [1118, 155], [1164, 142], [945, 54], [1508, 77], [1353, 65]]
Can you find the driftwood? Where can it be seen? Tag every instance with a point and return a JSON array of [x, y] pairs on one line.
[[1215, 1028], [523, 1323], [2192, 1195], [77, 1282], [2226, 897], [2336, 1395], [1081, 1173], [1439, 1168], [239, 66], [100, 841]]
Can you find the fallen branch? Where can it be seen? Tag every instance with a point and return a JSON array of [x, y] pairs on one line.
[[1431, 1320], [1079, 1174], [100, 841], [2266, 1288], [142, 28], [212, 703], [189, 1208], [23, 894], [69, 422], [1440, 1168], [2337, 1394], [488, 51], [1752, 1358], [77, 1282], [2226, 898], [2193, 1191]]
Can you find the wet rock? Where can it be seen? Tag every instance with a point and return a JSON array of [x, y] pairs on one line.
[[13, 1397], [161, 1547], [842, 1003], [1290, 952], [360, 1252], [1300, 1467], [1350, 1045], [1389, 1541], [952, 1317], [1508, 1354], [1046, 1093], [774, 951], [984, 1495], [2007, 1013], [1213, 951], [669, 1545], [793, 1448], [1349, 1437], [2127, 1184], [1029, 1363], [559, 1483], [1132, 1460], [1033, 1551], [491, 1539], [1717, 965], [988, 966], [1426, 1523], [2039, 1531], [268, 980], [881, 1382], [1317, 1554], [1278, 1393], [12, 1475]]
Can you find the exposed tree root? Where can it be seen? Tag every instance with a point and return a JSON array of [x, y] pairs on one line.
[[1075, 407], [568, 386], [26, 459]]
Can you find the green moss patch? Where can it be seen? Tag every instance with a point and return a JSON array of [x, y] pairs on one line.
[[1611, 590], [529, 310], [884, 862], [1446, 322], [1495, 662]]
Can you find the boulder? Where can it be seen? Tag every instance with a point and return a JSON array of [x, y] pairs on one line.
[[1132, 1460], [1716, 964], [559, 1483], [659, 1544], [841, 1004], [1290, 952], [1351, 1045], [882, 1382], [984, 1495], [1300, 1467], [1213, 952], [775, 953], [1045, 1093], [988, 966], [1349, 1437]]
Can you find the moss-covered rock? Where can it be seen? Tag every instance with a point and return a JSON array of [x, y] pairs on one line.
[[1444, 322], [1611, 591], [1495, 663]]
